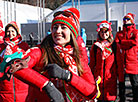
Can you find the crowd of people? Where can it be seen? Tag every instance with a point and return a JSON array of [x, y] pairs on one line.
[[57, 69]]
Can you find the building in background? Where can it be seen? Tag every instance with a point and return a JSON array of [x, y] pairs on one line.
[[92, 12], [23, 14]]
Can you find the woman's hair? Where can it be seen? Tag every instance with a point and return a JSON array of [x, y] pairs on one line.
[[110, 39], [51, 56]]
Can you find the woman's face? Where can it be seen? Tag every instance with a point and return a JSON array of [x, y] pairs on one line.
[[104, 34], [11, 33], [126, 20], [61, 34]]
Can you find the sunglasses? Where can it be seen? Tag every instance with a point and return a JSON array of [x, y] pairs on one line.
[[66, 14], [126, 19]]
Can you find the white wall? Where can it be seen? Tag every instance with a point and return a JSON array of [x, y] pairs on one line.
[[96, 12]]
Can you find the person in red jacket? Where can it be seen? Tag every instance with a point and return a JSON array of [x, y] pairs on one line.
[[62, 58], [128, 41], [13, 90], [2, 33], [105, 62]]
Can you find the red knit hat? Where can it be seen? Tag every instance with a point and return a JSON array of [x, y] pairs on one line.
[[69, 17], [14, 24], [104, 24], [131, 16], [1, 24]]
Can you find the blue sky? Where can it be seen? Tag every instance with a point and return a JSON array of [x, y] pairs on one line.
[[99, 1]]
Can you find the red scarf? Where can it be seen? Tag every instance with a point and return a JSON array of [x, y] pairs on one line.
[[66, 53], [105, 46], [12, 45]]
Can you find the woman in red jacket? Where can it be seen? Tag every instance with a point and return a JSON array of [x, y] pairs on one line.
[[128, 41], [62, 58], [105, 61], [13, 90]]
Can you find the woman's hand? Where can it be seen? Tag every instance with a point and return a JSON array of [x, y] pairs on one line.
[[55, 71], [53, 92]]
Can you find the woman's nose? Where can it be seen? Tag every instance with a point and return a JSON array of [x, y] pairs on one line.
[[10, 33]]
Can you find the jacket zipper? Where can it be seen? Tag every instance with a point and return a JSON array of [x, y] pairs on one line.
[[125, 50], [103, 78], [14, 89]]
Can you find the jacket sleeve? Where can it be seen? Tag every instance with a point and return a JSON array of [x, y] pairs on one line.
[[2, 34], [82, 48], [119, 62], [117, 40], [131, 41], [87, 85], [29, 75], [92, 59]]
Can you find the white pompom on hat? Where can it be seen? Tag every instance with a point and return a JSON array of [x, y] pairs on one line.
[[104, 24]]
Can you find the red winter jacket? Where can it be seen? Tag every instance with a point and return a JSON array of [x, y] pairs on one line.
[[2, 33], [128, 40], [85, 84], [13, 90], [108, 70]]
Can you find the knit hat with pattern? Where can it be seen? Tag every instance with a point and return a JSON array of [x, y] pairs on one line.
[[14, 25], [69, 17], [104, 25]]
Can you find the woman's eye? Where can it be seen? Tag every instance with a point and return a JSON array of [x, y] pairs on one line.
[[55, 27], [64, 27]]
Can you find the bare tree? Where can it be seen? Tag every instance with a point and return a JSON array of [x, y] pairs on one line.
[[52, 4]]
